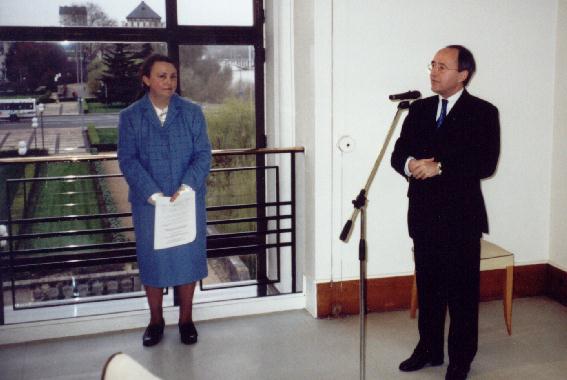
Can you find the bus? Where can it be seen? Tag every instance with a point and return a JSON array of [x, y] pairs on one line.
[[14, 109]]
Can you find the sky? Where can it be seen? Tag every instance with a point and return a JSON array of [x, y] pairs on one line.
[[190, 12]]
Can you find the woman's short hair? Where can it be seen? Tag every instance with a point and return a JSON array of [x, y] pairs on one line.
[[146, 69]]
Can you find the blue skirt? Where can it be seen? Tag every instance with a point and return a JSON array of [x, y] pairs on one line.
[[174, 266]]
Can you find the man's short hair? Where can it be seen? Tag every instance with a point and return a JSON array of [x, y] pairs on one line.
[[466, 61]]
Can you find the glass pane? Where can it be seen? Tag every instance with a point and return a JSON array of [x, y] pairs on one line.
[[221, 79], [59, 287], [79, 86], [215, 12], [124, 13], [231, 269]]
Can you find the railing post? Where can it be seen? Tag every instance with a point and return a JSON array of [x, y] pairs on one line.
[[293, 235], [25, 211], [261, 262], [9, 245], [1, 298], [1, 290]]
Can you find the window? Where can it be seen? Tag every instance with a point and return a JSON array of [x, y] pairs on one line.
[[92, 13], [66, 55], [216, 12]]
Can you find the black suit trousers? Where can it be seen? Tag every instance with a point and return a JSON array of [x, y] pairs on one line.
[[447, 276]]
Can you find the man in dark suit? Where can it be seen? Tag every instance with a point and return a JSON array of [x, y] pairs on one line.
[[448, 144]]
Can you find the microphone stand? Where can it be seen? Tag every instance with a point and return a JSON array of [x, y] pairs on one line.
[[360, 206]]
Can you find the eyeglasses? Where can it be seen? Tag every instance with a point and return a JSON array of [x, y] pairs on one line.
[[440, 67]]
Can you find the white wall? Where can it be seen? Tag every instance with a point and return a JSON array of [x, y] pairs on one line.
[[303, 16], [349, 55], [558, 249]]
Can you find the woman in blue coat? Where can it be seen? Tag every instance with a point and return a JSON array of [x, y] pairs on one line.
[[164, 150]]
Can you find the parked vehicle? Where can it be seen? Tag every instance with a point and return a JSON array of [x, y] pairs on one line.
[[15, 109]]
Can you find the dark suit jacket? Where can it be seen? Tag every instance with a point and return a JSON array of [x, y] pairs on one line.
[[449, 207]]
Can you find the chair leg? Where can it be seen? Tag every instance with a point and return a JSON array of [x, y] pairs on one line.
[[508, 293], [413, 301]]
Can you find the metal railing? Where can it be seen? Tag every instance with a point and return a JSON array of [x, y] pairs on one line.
[[98, 246]]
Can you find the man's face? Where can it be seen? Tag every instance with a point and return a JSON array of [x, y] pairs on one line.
[[445, 78]]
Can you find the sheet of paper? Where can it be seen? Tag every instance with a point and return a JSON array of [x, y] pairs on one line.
[[175, 222]]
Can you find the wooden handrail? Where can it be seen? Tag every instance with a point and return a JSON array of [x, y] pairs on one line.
[[112, 155]]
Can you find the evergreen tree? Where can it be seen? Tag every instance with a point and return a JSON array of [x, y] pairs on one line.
[[139, 56], [143, 53], [121, 75]]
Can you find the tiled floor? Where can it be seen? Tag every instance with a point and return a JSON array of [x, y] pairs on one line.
[[293, 345]]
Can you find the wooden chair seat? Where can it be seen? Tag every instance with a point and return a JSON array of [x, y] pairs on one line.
[[492, 257]]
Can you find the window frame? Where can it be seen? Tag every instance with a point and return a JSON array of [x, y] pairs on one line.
[[173, 35]]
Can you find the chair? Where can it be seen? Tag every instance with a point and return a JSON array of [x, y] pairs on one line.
[[120, 366], [492, 257]]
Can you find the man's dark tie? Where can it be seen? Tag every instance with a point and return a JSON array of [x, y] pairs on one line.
[[443, 112]]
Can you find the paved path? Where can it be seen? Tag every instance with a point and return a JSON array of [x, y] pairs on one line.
[[55, 140], [62, 108]]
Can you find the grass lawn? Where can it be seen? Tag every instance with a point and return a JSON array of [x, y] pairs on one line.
[[96, 107], [7, 172], [107, 135], [62, 198]]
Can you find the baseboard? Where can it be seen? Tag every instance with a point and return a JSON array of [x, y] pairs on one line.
[[393, 293], [557, 284]]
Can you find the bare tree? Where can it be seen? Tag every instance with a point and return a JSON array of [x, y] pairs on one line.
[[96, 16]]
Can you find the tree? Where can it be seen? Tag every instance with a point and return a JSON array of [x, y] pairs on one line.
[[203, 79], [91, 53], [120, 76], [146, 50], [31, 65], [96, 16], [95, 69]]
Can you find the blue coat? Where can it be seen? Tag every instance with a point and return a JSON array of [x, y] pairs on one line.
[[157, 159]]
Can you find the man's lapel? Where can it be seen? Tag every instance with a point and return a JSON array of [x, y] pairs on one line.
[[458, 111]]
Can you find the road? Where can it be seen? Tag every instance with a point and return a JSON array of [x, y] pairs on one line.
[[100, 120], [60, 134]]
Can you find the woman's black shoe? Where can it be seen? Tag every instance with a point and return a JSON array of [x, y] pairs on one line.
[[153, 334], [188, 333]]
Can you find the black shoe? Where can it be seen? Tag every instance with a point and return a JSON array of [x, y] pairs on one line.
[[418, 360], [455, 372], [188, 333], [153, 334]]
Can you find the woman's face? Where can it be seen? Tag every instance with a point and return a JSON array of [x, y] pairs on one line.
[[162, 80]]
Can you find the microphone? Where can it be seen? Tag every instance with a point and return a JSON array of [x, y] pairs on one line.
[[409, 95]]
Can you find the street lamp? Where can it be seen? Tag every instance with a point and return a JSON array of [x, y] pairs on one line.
[[22, 148], [34, 126], [82, 112], [41, 108], [3, 234]]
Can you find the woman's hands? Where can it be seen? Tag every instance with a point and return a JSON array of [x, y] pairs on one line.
[[181, 190]]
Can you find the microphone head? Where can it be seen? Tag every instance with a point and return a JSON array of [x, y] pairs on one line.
[[409, 95]]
